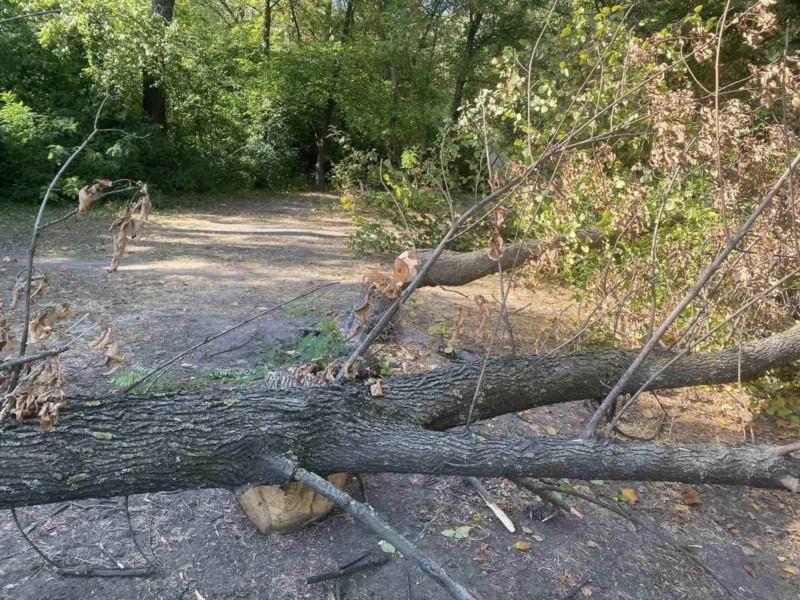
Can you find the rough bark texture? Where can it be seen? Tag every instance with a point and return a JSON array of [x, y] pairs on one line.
[[154, 102], [460, 268], [469, 52], [108, 447], [330, 108]]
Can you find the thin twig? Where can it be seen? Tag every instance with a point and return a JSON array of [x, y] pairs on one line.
[[211, 338], [37, 230], [30, 15], [708, 273], [376, 561], [76, 572]]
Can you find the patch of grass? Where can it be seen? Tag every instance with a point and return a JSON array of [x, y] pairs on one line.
[[166, 384], [239, 376], [303, 308], [327, 344]]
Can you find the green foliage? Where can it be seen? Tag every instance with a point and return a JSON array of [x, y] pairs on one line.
[[328, 344], [459, 533], [777, 393], [241, 376], [165, 384]]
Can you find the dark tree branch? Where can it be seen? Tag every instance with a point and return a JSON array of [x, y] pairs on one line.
[[369, 518]]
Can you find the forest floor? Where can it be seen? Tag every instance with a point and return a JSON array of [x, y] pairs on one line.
[[212, 261]]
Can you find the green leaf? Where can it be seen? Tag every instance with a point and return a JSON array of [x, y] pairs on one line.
[[449, 533], [387, 547]]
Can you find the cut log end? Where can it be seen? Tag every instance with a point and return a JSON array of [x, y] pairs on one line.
[[287, 507]]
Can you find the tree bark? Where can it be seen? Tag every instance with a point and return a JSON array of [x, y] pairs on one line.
[[118, 446], [267, 28], [330, 108], [154, 102], [469, 52]]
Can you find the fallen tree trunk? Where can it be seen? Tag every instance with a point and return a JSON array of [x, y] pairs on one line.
[[460, 268], [451, 269], [112, 446]]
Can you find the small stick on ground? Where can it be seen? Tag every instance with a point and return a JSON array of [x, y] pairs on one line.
[[491, 503], [548, 497], [167, 364], [375, 561], [367, 517], [75, 572]]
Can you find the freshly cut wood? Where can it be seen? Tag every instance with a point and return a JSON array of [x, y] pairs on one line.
[[287, 507], [405, 267]]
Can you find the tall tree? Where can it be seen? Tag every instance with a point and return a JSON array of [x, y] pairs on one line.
[[473, 25], [155, 99], [330, 107]]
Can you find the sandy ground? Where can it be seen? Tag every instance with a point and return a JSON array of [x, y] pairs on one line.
[[215, 260]]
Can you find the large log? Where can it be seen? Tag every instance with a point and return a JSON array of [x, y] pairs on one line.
[[116, 446]]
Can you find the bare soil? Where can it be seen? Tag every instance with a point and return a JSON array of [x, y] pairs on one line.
[[213, 261]]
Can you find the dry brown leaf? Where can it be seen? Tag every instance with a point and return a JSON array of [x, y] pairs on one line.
[[496, 246], [630, 495], [45, 420], [41, 326], [496, 242], [15, 293], [113, 358], [691, 497], [750, 571], [5, 332], [143, 206], [104, 341], [748, 551], [42, 283], [376, 390], [586, 591], [121, 229], [89, 194]]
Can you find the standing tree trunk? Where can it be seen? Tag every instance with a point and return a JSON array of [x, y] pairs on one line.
[[322, 144], [473, 26], [154, 102], [330, 108], [267, 29]]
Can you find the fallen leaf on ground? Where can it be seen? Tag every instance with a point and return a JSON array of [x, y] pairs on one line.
[[630, 495], [691, 497], [113, 358], [523, 546], [750, 571], [790, 570], [748, 551], [527, 530]]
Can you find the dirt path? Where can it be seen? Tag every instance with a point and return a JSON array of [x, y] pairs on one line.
[[213, 262]]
